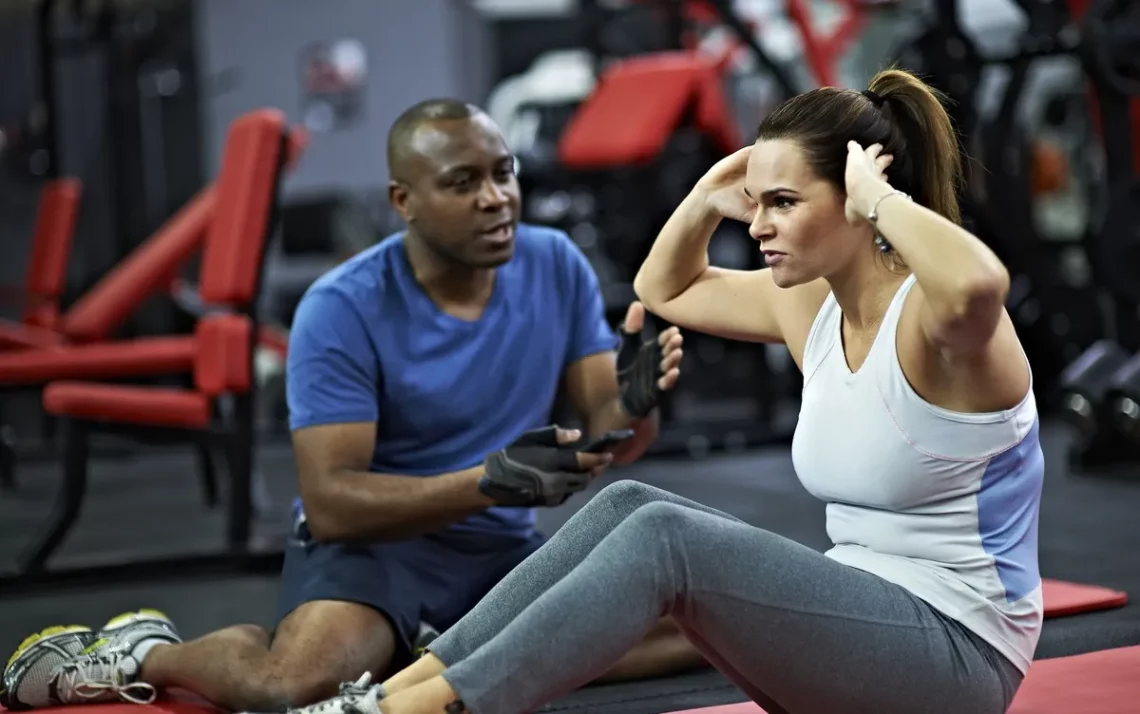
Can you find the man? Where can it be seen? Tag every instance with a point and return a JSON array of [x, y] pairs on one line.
[[420, 376]]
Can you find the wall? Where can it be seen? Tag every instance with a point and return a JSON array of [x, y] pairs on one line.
[[416, 49]]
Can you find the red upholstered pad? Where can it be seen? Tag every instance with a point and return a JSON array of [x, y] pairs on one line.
[[1106, 682], [148, 270], [151, 267], [247, 188], [637, 105], [224, 359], [113, 360], [18, 336], [51, 247], [148, 406], [1062, 598]]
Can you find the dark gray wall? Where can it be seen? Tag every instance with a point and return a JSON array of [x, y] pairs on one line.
[[416, 49]]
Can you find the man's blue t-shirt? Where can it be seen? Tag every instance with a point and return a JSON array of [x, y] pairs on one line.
[[369, 345]]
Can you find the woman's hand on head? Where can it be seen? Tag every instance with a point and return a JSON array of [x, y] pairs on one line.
[[722, 187], [865, 179]]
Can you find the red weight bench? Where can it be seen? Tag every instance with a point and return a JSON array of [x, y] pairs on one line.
[[33, 353], [219, 357], [639, 103], [150, 269]]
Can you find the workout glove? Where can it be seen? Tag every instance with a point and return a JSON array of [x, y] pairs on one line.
[[638, 369], [534, 471]]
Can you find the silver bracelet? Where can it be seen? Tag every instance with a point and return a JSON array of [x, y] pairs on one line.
[[873, 216]]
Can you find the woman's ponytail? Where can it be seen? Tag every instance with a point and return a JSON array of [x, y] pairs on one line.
[[931, 142]]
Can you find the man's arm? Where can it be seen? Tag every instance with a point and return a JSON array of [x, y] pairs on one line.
[[333, 390], [590, 377], [592, 388], [346, 502]]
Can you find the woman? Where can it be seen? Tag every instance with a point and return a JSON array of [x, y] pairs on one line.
[[918, 429]]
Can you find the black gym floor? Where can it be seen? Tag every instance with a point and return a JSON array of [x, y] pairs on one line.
[[150, 504]]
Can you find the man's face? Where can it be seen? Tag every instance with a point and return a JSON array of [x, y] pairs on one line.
[[460, 192]]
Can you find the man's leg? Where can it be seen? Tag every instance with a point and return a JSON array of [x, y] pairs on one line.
[[332, 631], [316, 647], [664, 651]]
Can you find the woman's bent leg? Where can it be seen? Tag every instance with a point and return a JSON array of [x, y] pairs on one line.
[[799, 632], [550, 563]]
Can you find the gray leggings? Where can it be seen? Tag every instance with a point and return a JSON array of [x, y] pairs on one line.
[[798, 632]]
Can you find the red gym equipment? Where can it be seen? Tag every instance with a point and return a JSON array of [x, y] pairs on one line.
[[31, 351], [240, 212], [1094, 683], [47, 264]]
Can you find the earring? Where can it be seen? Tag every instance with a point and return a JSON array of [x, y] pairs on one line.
[[882, 244]]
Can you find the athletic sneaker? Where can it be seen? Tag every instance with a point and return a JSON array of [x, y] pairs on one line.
[[135, 633], [359, 697], [29, 680], [424, 637], [104, 668]]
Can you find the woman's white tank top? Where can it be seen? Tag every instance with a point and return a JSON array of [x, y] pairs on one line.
[[942, 503]]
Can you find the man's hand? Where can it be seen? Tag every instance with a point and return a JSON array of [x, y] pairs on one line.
[[541, 468], [646, 368]]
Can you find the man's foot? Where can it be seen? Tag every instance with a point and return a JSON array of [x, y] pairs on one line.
[[359, 697], [29, 676], [134, 633], [51, 670]]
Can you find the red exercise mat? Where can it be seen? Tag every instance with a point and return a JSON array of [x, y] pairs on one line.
[[166, 706], [1063, 598], [1106, 682]]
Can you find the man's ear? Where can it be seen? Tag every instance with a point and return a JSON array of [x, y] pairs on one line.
[[399, 198]]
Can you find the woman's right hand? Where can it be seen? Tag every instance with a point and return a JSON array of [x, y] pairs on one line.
[[722, 187]]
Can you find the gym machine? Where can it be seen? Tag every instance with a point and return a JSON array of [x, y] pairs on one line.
[[613, 205], [1101, 389], [1057, 299]]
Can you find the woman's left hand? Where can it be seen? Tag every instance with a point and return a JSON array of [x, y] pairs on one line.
[[865, 179]]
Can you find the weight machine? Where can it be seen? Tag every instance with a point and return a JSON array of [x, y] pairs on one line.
[[1061, 299], [1101, 388]]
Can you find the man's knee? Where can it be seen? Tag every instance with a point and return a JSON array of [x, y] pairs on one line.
[[288, 684], [321, 646]]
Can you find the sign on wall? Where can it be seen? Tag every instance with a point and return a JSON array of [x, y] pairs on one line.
[[332, 84]]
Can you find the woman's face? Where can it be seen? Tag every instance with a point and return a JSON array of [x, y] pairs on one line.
[[799, 220]]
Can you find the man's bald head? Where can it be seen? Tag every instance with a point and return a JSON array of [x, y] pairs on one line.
[[452, 180], [403, 131]]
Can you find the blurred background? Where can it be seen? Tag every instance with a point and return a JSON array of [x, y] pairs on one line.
[[114, 117]]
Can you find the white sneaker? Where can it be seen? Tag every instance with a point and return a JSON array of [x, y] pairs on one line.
[[29, 676], [359, 697]]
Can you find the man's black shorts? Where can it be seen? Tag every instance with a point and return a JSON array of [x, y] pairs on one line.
[[434, 579]]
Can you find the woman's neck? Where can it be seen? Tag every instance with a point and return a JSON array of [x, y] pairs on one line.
[[865, 291]]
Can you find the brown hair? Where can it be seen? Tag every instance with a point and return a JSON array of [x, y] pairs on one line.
[[898, 111]]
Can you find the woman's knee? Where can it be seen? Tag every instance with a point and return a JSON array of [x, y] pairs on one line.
[[661, 517], [627, 496]]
